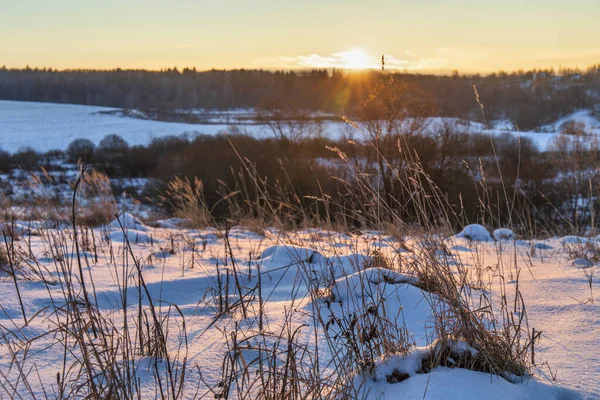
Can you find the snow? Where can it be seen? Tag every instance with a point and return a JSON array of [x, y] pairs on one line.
[[476, 233], [503, 234], [503, 125], [449, 383], [573, 240], [585, 117], [459, 384], [581, 263], [127, 221], [293, 265], [48, 126], [131, 235], [369, 281], [283, 255], [171, 223], [542, 246]]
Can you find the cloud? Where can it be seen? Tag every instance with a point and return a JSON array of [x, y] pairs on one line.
[[415, 63], [343, 59]]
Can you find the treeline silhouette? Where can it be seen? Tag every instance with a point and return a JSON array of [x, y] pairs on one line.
[[528, 99]]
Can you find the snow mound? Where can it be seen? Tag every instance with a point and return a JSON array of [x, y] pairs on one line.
[[416, 360], [459, 384], [348, 264], [129, 222], [354, 284], [503, 234], [282, 255], [404, 376], [462, 249], [584, 117], [581, 263], [542, 246], [16, 228], [164, 253], [569, 240], [172, 223], [476, 233], [134, 237], [240, 232]]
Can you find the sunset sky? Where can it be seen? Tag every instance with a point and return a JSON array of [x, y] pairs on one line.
[[422, 36]]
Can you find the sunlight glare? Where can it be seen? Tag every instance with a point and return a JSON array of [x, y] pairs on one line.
[[355, 59]]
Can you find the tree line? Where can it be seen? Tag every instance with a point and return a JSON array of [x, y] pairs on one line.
[[528, 99]]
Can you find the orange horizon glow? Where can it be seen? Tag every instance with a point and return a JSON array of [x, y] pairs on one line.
[[350, 60], [433, 36]]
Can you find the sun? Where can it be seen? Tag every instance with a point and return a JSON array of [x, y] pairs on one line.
[[355, 59]]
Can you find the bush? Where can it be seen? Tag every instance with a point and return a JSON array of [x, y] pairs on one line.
[[574, 128], [3, 259], [112, 154], [80, 149], [26, 158], [113, 142], [5, 161]]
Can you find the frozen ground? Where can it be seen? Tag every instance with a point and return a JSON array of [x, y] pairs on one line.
[[47, 126], [180, 267]]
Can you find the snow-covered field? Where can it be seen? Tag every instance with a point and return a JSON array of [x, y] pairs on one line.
[[302, 281], [47, 126]]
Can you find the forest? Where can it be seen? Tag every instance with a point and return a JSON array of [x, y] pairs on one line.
[[528, 99]]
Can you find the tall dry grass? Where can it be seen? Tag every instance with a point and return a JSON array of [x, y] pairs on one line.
[[104, 353]]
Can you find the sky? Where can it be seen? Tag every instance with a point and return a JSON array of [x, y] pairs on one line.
[[419, 36]]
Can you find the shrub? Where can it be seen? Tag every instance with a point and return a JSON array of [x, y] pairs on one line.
[[98, 205], [5, 161], [112, 154], [80, 149], [574, 128], [3, 259], [26, 158]]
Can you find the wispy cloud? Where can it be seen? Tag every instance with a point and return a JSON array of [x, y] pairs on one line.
[[407, 60]]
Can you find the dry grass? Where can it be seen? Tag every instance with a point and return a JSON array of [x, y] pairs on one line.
[[185, 197], [4, 262], [107, 348], [97, 204]]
